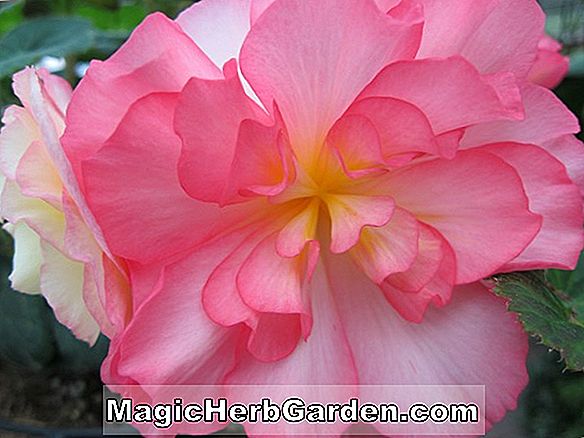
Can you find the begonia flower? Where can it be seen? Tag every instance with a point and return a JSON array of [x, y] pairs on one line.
[[313, 191]]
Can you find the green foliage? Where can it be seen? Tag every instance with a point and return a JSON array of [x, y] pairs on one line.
[[545, 314], [36, 38]]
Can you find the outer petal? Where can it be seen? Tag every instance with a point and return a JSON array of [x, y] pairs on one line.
[[62, 285], [551, 194], [450, 92], [133, 189], [473, 341], [158, 57], [550, 66], [26, 271], [412, 305], [170, 339], [323, 359], [209, 133], [476, 201], [298, 53], [401, 126], [570, 151], [512, 27], [218, 27], [546, 118], [388, 249], [18, 133]]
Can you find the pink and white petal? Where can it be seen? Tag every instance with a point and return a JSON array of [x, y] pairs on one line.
[[513, 27], [388, 249], [58, 90], [297, 54], [18, 133], [26, 264], [62, 284], [323, 359], [158, 57], [487, 224], [556, 198], [44, 116], [44, 219], [350, 214], [412, 306], [37, 177], [218, 27], [546, 118], [143, 211], [435, 352], [450, 92], [209, 134], [570, 151]]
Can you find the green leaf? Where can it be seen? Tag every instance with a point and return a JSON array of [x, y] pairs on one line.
[[34, 39], [544, 314]]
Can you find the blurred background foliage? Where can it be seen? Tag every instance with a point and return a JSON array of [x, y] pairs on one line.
[[64, 36]]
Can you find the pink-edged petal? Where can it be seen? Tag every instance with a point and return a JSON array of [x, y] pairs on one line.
[[351, 213], [450, 92], [323, 359], [275, 336], [412, 306], [476, 201], [430, 253], [170, 339], [218, 27], [556, 198], [570, 151], [62, 284], [209, 133], [298, 52], [435, 352], [268, 282], [158, 57], [262, 162], [358, 145], [546, 118], [514, 28], [298, 231], [388, 249], [402, 127], [142, 209], [220, 296]]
